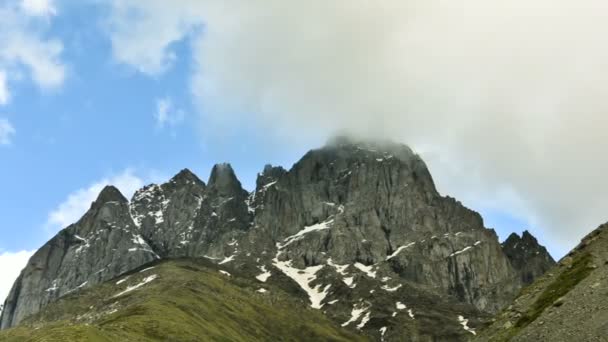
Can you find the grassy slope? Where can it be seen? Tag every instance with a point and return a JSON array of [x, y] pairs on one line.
[[190, 301], [536, 298]]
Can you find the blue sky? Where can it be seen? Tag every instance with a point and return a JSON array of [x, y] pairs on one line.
[[130, 92]]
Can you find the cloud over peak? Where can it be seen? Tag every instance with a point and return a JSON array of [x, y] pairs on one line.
[[505, 99]]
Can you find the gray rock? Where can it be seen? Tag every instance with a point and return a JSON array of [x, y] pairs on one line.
[[365, 214], [103, 244], [527, 256]]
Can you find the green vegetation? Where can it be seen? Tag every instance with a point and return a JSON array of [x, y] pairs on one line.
[[564, 282], [553, 290], [189, 301]]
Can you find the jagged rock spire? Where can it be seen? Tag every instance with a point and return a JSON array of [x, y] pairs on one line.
[[186, 176], [224, 180], [527, 256], [109, 194]]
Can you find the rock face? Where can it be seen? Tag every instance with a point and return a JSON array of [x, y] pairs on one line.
[[103, 244], [527, 256], [356, 228], [568, 303]]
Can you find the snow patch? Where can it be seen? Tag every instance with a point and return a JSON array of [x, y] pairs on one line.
[[262, 290], [227, 260], [53, 288], [382, 332], [400, 306], [264, 276], [135, 287], [265, 187], [303, 278], [225, 273], [399, 250], [411, 313], [461, 251], [339, 268], [391, 289], [85, 246], [122, 281], [465, 324], [366, 269], [147, 269], [316, 227], [355, 314], [364, 321], [349, 282]]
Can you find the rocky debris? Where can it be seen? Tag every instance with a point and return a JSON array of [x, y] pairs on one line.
[[353, 225], [568, 303], [527, 256]]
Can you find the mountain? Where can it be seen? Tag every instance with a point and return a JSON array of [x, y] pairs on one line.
[[528, 257], [179, 300], [568, 303], [356, 227]]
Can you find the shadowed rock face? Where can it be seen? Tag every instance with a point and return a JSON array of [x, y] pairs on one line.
[[364, 217], [527, 256]]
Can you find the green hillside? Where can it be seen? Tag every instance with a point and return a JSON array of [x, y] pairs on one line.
[[180, 300]]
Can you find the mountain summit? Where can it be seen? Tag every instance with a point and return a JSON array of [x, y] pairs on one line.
[[355, 229]]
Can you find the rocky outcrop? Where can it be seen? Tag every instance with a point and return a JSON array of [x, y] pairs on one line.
[[103, 244], [358, 227], [527, 256]]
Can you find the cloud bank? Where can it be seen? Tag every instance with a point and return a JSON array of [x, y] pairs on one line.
[[505, 100], [11, 265]]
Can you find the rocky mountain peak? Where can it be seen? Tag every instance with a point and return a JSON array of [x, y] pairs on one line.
[[356, 225], [109, 194], [527, 256], [269, 175], [186, 176], [224, 180]]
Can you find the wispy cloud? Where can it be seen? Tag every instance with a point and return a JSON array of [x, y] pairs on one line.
[[7, 131], [42, 8], [166, 114], [26, 47], [79, 201], [11, 264]]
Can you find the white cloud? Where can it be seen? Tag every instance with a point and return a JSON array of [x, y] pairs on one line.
[[42, 8], [7, 131], [11, 264], [78, 202], [26, 47], [4, 93], [507, 99], [152, 54], [167, 114]]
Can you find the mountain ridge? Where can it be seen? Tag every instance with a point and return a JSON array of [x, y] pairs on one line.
[[359, 219]]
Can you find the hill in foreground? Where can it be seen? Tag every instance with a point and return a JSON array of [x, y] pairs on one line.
[[179, 300], [568, 303]]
